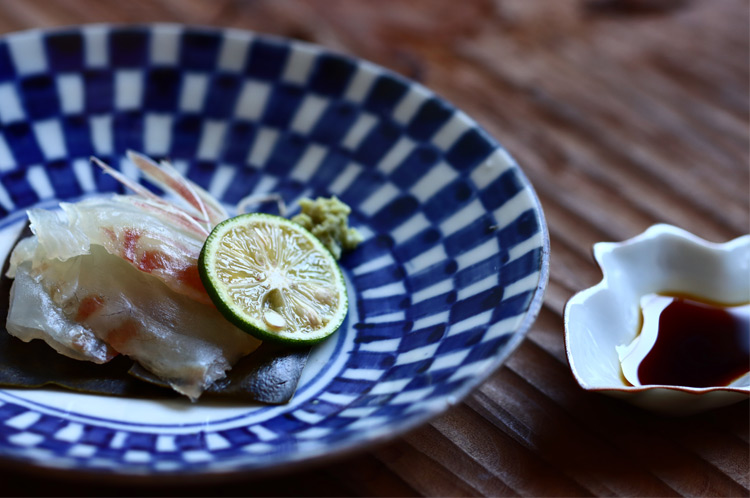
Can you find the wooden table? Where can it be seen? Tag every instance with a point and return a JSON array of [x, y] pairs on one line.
[[623, 113]]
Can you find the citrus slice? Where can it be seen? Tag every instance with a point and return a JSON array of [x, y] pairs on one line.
[[273, 279]]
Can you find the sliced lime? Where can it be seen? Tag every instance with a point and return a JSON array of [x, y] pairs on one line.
[[273, 279]]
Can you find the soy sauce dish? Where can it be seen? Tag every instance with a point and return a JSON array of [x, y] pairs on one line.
[[666, 329]]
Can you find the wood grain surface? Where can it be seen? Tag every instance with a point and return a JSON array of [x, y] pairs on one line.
[[622, 113]]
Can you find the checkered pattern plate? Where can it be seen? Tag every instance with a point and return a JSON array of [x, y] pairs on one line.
[[444, 287]]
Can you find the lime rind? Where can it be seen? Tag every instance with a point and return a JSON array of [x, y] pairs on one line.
[[263, 286]]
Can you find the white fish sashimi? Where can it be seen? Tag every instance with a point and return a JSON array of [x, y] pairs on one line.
[[34, 315], [187, 344], [143, 238], [119, 274]]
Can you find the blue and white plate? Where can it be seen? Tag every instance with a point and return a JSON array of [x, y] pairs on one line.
[[445, 286]]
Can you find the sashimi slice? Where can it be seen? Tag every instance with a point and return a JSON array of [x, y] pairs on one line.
[[145, 239], [34, 315], [187, 344]]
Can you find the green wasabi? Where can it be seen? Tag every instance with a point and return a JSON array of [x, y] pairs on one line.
[[328, 220]]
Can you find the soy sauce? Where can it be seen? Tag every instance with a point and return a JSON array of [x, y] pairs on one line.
[[698, 344]]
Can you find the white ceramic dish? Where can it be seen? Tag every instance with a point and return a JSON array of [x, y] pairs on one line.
[[663, 259]]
